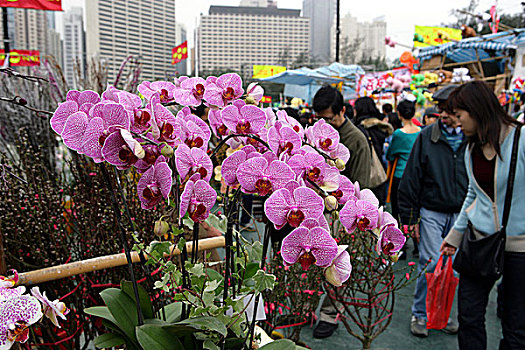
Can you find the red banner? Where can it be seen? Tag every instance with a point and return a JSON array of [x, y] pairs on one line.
[[266, 99], [21, 58], [48, 5], [179, 53]]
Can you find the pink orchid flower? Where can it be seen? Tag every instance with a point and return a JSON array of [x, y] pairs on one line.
[[193, 161], [191, 92], [390, 240], [9, 282], [106, 118], [197, 199], [216, 124], [9, 293], [292, 205], [162, 121], [151, 154], [345, 191], [292, 122], [52, 309], [122, 150], [309, 246], [16, 316], [366, 195], [74, 130], [231, 164], [359, 214], [340, 152], [192, 130], [385, 218], [165, 89], [257, 175], [254, 93], [323, 136], [312, 167], [76, 101], [225, 89], [155, 184], [111, 94], [243, 119], [340, 269], [283, 139]]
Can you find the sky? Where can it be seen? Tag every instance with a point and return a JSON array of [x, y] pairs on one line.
[[401, 15]]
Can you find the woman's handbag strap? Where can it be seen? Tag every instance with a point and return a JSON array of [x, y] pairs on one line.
[[512, 173]]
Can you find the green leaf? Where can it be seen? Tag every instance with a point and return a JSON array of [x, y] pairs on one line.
[[108, 340], [208, 344], [263, 281], [181, 244], [144, 299], [251, 269], [219, 222], [123, 309], [188, 222], [281, 344], [157, 338], [233, 343], [173, 312], [204, 324], [159, 247], [211, 286], [196, 270], [102, 312]]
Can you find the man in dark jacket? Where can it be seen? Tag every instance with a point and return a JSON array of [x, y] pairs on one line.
[[431, 193], [328, 104]]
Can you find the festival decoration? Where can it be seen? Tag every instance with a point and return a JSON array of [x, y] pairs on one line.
[[432, 36], [460, 75]]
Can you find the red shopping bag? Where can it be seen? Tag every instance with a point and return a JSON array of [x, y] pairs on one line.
[[441, 287]]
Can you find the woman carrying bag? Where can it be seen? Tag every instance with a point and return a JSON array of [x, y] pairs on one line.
[[489, 233]]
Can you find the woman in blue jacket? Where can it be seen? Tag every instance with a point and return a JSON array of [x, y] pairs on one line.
[[490, 133]]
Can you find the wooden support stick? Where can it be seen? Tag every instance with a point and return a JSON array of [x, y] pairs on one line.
[[102, 262]]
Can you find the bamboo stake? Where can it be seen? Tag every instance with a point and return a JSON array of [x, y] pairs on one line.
[[103, 262]]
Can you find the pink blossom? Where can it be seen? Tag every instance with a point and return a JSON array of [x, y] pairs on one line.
[[75, 101], [223, 90], [390, 240], [309, 246], [191, 130], [339, 271], [164, 89], [16, 316], [292, 122], [366, 195], [361, 214], [117, 150], [293, 206], [254, 93], [231, 164], [311, 167], [52, 309], [283, 139], [244, 119], [340, 152], [11, 292], [385, 218], [193, 161], [74, 129], [345, 191], [323, 136], [155, 184], [197, 199], [216, 123], [151, 153], [257, 175], [191, 92], [162, 121]]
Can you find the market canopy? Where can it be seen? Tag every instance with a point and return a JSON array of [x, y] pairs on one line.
[[465, 50], [301, 76]]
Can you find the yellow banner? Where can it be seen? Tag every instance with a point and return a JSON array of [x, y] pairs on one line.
[[433, 36], [263, 71]]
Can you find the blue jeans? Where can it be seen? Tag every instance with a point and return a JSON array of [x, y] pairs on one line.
[[434, 226]]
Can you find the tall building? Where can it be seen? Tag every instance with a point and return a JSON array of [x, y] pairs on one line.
[[74, 45], [371, 36], [236, 38], [258, 3], [181, 67], [117, 29], [10, 25], [322, 29]]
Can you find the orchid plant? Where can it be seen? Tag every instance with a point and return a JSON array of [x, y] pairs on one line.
[[296, 171]]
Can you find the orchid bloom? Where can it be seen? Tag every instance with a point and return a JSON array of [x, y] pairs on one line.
[[106, 118], [390, 240], [283, 139], [216, 123], [361, 214], [366, 195], [76, 101], [385, 218], [52, 309], [8, 282], [164, 89], [16, 316], [339, 271], [193, 161], [323, 136], [254, 93], [345, 191], [341, 152], [9, 293], [312, 167], [292, 122], [155, 184], [244, 119], [122, 150], [74, 130], [258, 175], [197, 199], [191, 130], [191, 92], [231, 164], [309, 246], [293, 204], [162, 121], [223, 90], [151, 154]]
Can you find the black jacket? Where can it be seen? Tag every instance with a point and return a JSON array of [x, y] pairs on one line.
[[435, 177], [376, 131]]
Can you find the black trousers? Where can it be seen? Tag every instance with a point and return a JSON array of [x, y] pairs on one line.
[[473, 298], [393, 197]]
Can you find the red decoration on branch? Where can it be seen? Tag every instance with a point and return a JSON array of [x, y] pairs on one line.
[[48, 5]]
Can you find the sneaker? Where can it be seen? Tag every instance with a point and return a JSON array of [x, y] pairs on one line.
[[324, 329], [452, 327], [418, 327]]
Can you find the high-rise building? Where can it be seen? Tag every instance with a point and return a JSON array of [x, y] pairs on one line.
[[74, 45], [322, 29], [145, 29], [10, 25], [236, 38], [370, 35], [258, 3], [181, 67]]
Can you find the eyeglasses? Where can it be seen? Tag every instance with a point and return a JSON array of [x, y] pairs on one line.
[[327, 118]]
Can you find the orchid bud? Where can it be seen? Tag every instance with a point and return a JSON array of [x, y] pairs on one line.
[[335, 215], [330, 203], [219, 198], [161, 228], [340, 164], [330, 162], [332, 277], [167, 151]]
